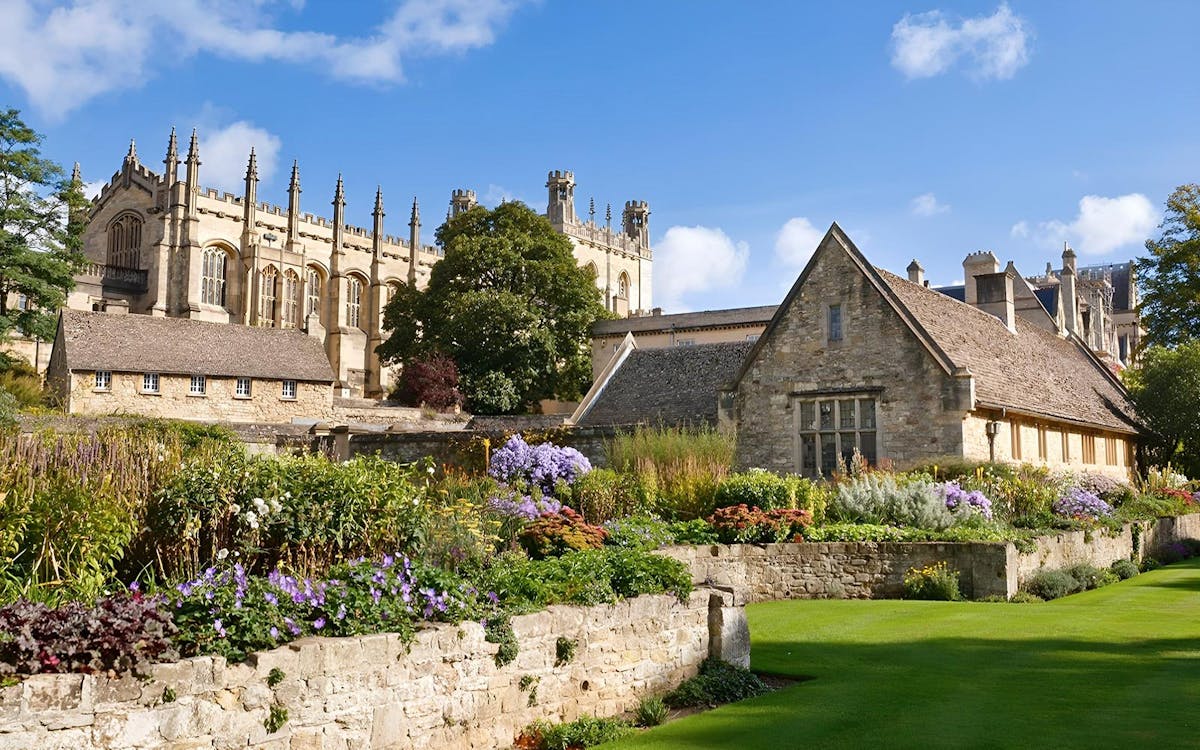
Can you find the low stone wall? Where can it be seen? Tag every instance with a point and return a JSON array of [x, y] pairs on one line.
[[441, 691], [840, 570]]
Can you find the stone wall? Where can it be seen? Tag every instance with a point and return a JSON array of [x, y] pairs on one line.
[[441, 691], [462, 448], [841, 570], [1101, 549]]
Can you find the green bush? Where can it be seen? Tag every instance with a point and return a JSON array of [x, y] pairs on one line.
[[932, 583], [586, 731], [639, 532], [1086, 575], [855, 532], [1024, 597], [770, 491], [603, 494], [1052, 584], [651, 712], [719, 682], [696, 531], [737, 524], [21, 380], [683, 465], [1124, 569], [553, 534]]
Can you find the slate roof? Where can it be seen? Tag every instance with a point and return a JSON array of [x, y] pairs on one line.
[[1033, 371], [953, 292], [178, 346], [670, 386], [738, 316], [1049, 299]]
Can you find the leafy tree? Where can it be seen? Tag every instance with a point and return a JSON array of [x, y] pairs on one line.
[[508, 304], [1170, 276], [430, 380], [41, 227], [1165, 387]]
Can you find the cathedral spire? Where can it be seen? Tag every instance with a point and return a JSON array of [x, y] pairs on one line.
[[172, 159], [294, 184], [252, 167], [194, 148], [414, 241], [76, 178], [131, 157]]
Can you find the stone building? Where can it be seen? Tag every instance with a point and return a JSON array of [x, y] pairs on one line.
[[159, 244], [656, 331], [859, 359], [110, 363]]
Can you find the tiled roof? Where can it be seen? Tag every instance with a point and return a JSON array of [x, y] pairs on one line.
[[671, 386], [739, 316], [1032, 371], [143, 343]]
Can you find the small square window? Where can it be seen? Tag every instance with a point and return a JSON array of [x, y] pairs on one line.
[[685, 342], [289, 390], [835, 322], [103, 380], [242, 389], [150, 382], [198, 385]]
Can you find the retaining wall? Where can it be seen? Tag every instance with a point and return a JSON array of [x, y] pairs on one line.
[[441, 691]]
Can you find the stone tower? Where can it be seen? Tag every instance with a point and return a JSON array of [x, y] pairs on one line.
[[636, 221], [462, 201], [560, 208]]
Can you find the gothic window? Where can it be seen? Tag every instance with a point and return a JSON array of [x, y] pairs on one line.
[[270, 295], [291, 299], [124, 241], [832, 429], [623, 286], [312, 292], [212, 277], [591, 268], [354, 290]]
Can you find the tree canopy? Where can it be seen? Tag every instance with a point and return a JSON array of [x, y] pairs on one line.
[[41, 227], [508, 303], [1165, 387], [1170, 276]]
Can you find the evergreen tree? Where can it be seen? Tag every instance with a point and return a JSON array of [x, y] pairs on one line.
[[1170, 277]]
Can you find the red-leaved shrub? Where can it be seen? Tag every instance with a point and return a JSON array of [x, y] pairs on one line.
[[430, 380], [742, 524], [553, 534]]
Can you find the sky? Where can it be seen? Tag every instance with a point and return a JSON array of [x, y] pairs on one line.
[[927, 129]]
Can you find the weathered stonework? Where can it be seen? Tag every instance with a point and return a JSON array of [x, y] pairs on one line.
[[441, 691]]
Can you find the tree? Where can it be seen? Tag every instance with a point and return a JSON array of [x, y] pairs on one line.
[[1170, 277], [430, 380], [508, 303], [1165, 388], [41, 228]]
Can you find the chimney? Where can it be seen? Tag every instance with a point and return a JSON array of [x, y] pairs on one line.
[[1067, 293], [916, 274], [995, 297], [977, 264]]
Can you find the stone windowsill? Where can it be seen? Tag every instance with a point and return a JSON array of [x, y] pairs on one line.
[[150, 393], [197, 395], [242, 398]]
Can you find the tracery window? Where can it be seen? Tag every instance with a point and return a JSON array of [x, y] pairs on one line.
[[291, 299], [354, 289], [312, 292], [124, 242], [623, 286], [212, 276], [270, 295]]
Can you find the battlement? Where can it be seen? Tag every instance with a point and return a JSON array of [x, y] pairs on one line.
[[981, 255], [560, 175], [461, 194], [636, 204]]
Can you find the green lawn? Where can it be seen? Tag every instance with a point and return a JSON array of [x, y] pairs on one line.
[[1116, 667]]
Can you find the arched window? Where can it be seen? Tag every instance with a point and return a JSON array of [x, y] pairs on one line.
[[124, 242], [393, 288], [291, 299], [623, 286], [354, 290], [212, 277], [270, 294], [591, 268], [312, 292]]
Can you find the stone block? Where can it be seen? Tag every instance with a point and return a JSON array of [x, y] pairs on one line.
[[55, 692]]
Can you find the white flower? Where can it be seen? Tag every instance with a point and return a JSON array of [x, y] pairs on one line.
[[222, 553], [429, 470], [260, 505], [276, 506], [235, 508]]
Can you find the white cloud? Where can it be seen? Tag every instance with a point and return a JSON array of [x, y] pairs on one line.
[[92, 189], [63, 54], [1104, 224], [224, 153], [497, 194], [1020, 230], [929, 44], [688, 260], [796, 241], [927, 205]]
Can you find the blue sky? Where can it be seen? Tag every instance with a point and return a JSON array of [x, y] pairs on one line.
[[928, 129]]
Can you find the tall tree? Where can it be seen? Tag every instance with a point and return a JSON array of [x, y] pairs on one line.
[[41, 227], [1170, 276], [508, 304], [1165, 387]]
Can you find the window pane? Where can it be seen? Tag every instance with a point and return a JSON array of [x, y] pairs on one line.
[[826, 409], [807, 416], [808, 455], [866, 413], [846, 414], [866, 446], [847, 446], [828, 452], [835, 322]]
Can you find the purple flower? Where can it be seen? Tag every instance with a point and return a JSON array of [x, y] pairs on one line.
[[1081, 504], [220, 628], [960, 500], [274, 633], [319, 623], [542, 466]]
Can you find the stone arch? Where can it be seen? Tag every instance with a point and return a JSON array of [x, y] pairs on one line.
[[269, 294], [356, 294], [290, 300], [314, 290], [124, 234], [214, 273]]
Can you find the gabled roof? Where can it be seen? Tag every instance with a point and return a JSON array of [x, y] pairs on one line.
[[178, 346], [738, 316], [677, 385], [1033, 371]]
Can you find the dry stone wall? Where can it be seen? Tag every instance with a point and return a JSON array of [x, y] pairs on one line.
[[443, 690], [1134, 541]]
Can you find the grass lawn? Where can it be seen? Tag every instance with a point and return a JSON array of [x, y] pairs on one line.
[[1112, 668]]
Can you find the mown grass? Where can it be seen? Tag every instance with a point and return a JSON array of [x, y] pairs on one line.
[[1114, 667]]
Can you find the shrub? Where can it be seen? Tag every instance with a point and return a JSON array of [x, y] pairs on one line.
[[738, 524], [9, 410], [1179, 551], [719, 682], [696, 531], [881, 498], [1079, 504], [682, 465], [638, 532], [1124, 569], [21, 380], [586, 731], [542, 466], [1107, 488], [964, 502], [932, 583], [651, 712], [551, 535], [1052, 584], [1024, 597], [431, 380], [1025, 497], [1153, 505], [508, 503], [585, 578], [770, 491], [124, 633], [1164, 477], [603, 494], [855, 532], [1086, 575]]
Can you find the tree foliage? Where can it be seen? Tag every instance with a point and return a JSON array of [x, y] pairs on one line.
[[508, 304], [1170, 276], [1165, 388], [430, 380]]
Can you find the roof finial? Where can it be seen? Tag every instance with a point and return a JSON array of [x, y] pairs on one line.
[[339, 194], [416, 211], [172, 149], [132, 155], [608, 215], [294, 184], [252, 167], [592, 210], [379, 199], [194, 147], [76, 178]]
